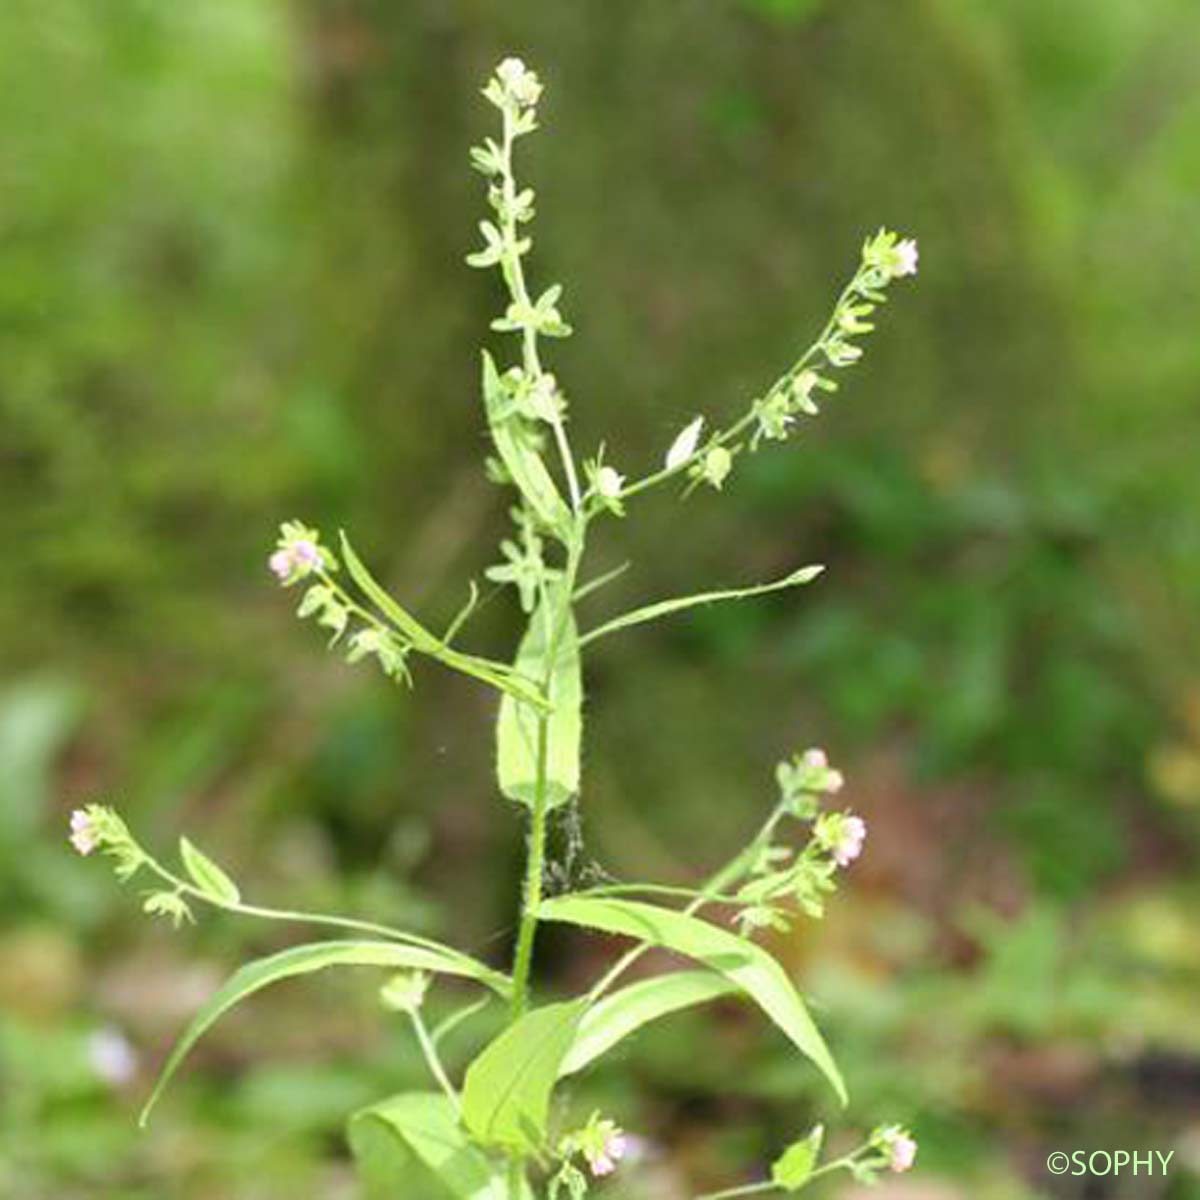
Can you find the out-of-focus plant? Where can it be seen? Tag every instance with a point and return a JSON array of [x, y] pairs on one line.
[[493, 1133]]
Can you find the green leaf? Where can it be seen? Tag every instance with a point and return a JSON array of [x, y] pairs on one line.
[[663, 608], [496, 674], [316, 956], [418, 1134], [517, 726], [412, 629], [742, 962], [506, 1092], [207, 876], [624, 1012], [523, 462], [794, 1167]]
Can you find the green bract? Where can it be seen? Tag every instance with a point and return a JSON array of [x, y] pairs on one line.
[[492, 1130]]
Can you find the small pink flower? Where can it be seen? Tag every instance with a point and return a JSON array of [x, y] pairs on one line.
[[902, 1152], [834, 782], [306, 554], [906, 258], [603, 1159], [849, 841], [83, 832], [281, 563], [815, 760]]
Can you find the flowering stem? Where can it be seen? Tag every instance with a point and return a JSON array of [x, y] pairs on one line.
[[767, 1185], [278, 914], [514, 275], [432, 1059], [747, 419]]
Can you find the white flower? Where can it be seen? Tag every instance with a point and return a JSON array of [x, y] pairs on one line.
[[684, 446], [519, 82], [84, 836], [112, 1057], [609, 483], [906, 258]]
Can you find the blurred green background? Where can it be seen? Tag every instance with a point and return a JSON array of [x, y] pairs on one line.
[[232, 292]]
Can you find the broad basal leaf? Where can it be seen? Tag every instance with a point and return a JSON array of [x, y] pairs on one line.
[[506, 1092], [517, 726], [742, 962], [316, 956], [627, 1010], [416, 1138]]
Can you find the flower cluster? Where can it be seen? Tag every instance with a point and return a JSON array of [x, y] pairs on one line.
[[601, 1143], [299, 553], [97, 827], [777, 873], [891, 1148], [513, 86]]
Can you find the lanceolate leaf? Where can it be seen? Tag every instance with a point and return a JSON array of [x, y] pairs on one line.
[[517, 725], [303, 960], [418, 1134], [624, 1012], [742, 962], [663, 608], [207, 876], [520, 459], [497, 674], [506, 1092]]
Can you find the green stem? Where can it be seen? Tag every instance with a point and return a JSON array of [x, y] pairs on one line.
[[747, 419], [750, 1189], [514, 274], [429, 1050], [710, 893], [767, 1185], [279, 914], [535, 865], [536, 862]]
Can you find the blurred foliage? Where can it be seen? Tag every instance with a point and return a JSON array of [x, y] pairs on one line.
[[232, 292]]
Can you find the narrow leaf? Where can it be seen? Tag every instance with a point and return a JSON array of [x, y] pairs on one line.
[[663, 608], [412, 629], [517, 724], [506, 1092], [523, 462], [749, 966], [303, 960], [207, 876], [417, 1134], [624, 1012]]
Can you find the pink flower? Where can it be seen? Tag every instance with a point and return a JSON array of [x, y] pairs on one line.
[[816, 760], [848, 842], [83, 832], [306, 554], [603, 1156], [902, 1152], [281, 563]]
